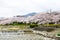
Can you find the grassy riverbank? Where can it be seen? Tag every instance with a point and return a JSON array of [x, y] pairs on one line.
[[23, 26]]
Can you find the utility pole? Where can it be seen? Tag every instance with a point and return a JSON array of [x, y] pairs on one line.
[[49, 11]]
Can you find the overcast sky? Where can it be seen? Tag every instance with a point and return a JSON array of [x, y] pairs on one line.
[[10, 8]]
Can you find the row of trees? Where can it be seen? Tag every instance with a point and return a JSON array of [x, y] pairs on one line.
[[15, 23], [35, 24]]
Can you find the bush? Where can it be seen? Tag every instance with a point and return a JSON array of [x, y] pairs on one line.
[[58, 34], [33, 25], [51, 23], [6, 24], [16, 23], [49, 29]]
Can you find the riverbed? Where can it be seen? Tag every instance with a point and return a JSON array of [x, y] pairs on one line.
[[21, 36]]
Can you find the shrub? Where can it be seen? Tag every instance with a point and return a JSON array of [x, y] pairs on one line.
[[49, 29], [51, 23], [33, 25], [6, 24], [16, 23], [58, 34]]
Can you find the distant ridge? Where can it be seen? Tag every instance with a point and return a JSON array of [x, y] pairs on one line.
[[30, 14], [27, 15]]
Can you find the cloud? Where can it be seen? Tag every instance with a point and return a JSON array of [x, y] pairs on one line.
[[21, 7]]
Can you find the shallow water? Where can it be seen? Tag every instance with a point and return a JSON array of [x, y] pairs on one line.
[[20, 36]]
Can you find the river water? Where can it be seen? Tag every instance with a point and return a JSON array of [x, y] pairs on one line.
[[21, 36]]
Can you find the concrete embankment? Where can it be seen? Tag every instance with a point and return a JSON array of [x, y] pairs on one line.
[[20, 35], [44, 34]]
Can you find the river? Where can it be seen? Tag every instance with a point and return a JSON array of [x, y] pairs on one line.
[[21, 36]]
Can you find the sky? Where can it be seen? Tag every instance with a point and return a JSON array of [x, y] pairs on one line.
[[9, 8]]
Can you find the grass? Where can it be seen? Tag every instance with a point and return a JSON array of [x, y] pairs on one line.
[[14, 27], [51, 25], [22, 26]]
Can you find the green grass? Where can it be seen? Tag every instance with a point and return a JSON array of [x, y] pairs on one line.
[[13, 27], [21, 25], [51, 25]]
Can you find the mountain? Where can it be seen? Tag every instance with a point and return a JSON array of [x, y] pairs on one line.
[[2, 18], [27, 15], [30, 14]]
